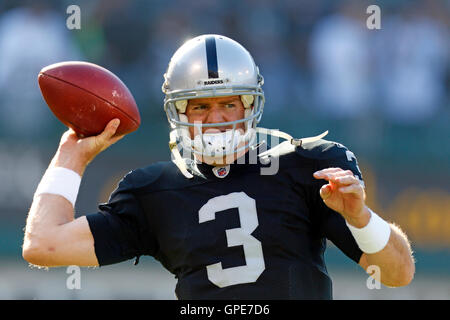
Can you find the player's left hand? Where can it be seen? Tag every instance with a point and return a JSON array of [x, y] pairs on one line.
[[344, 194]]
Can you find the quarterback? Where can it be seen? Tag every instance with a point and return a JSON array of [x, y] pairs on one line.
[[213, 217]]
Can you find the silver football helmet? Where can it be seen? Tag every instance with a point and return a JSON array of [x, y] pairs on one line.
[[212, 66]]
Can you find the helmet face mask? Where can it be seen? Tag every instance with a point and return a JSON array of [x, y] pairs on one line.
[[211, 66]]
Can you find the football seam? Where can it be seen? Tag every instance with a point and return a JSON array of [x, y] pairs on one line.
[[115, 107], [77, 127]]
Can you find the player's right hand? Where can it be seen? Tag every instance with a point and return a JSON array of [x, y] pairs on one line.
[[76, 153]]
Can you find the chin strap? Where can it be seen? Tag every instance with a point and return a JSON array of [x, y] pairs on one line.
[[177, 159], [288, 137], [181, 164]]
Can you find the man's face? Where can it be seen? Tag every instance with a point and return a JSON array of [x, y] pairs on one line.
[[215, 110]]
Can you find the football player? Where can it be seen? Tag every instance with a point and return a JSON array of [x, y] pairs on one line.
[[216, 216]]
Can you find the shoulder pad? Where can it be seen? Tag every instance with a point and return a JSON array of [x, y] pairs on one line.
[[321, 150], [156, 177], [143, 177], [331, 154]]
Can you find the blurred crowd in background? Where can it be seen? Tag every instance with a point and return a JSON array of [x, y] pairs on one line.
[[384, 93], [316, 56]]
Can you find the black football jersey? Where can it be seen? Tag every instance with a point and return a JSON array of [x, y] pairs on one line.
[[234, 233]]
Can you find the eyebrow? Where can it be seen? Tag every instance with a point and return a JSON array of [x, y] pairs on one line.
[[221, 102]]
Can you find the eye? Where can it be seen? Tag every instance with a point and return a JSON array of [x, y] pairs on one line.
[[230, 105], [199, 107]]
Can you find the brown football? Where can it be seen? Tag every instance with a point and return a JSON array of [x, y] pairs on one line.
[[85, 97]]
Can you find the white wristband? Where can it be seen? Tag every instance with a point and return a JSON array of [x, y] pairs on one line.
[[60, 181], [374, 236]]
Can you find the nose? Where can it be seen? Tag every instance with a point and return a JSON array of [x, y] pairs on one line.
[[215, 115]]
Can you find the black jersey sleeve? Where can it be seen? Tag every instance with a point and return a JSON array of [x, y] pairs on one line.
[[333, 226], [120, 228]]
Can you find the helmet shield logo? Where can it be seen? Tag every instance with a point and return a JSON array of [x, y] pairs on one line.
[[221, 172]]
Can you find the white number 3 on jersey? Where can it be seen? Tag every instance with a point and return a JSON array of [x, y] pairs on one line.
[[238, 236]]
